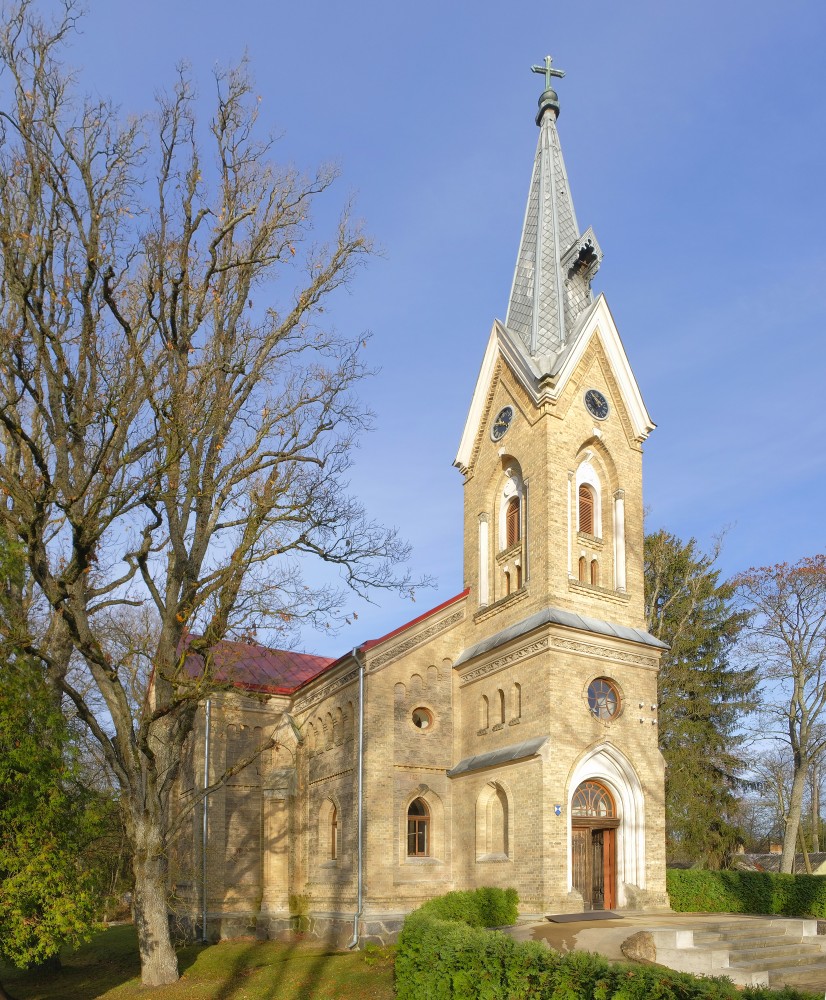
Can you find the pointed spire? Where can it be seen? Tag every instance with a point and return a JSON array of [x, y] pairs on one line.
[[552, 282]]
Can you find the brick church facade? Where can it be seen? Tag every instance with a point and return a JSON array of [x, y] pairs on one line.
[[507, 737]]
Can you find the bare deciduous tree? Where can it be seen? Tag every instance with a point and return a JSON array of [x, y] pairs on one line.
[[172, 439], [787, 643]]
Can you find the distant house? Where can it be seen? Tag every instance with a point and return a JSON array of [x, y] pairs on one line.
[[771, 863]]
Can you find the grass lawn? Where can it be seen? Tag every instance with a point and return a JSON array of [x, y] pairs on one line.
[[108, 968]]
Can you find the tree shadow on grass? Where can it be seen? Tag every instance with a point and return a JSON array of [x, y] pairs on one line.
[[108, 960]]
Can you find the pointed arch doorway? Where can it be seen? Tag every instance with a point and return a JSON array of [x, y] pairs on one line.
[[594, 823]]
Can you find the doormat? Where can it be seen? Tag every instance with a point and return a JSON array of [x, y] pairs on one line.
[[570, 918]]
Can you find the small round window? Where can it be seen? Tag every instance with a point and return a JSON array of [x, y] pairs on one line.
[[422, 718], [603, 698]]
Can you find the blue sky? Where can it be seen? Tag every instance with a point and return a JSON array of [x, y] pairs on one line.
[[694, 140]]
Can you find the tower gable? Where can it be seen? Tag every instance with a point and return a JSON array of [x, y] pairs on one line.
[[597, 334]]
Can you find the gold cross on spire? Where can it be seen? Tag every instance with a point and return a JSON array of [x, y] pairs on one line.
[[549, 71]]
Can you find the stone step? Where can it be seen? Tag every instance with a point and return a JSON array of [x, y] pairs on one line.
[[777, 960], [736, 932], [812, 976], [763, 953]]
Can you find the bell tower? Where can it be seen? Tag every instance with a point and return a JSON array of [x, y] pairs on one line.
[[552, 446]]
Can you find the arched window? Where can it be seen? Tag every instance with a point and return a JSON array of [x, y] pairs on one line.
[[516, 701], [512, 522], [492, 824], [586, 509], [333, 833], [484, 717], [593, 799], [418, 829], [501, 696], [595, 572], [583, 569]]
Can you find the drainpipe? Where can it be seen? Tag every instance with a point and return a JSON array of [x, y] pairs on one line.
[[360, 856], [204, 829]]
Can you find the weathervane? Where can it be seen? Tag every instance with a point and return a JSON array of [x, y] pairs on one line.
[[549, 71]]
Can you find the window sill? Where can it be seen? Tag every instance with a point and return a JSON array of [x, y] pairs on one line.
[[592, 541], [422, 861], [492, 858], [491, 609], [616, 596]]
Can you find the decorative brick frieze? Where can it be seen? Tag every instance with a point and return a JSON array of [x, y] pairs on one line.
[[303, 702], [329, 777], [605, 652], [531, 649], [416, 640]]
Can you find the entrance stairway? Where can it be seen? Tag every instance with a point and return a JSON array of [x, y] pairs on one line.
[[751, 951]]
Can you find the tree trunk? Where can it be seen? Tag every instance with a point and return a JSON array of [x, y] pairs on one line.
[[159, 963], [815, 807], [793, 819], [807, 864]]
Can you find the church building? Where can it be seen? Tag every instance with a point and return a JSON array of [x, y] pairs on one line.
[[507, 737]]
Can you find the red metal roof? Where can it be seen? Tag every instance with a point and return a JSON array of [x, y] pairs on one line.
[[282, 671], [248, 665]]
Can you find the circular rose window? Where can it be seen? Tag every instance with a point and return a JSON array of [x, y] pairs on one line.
[[603, 698], [422, 718]]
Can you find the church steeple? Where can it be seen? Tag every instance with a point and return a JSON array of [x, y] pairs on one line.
[[556, 264]]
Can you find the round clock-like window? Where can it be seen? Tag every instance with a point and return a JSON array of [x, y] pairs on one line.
[[422, 718], [501, 423], [603, 699], [596, 404]]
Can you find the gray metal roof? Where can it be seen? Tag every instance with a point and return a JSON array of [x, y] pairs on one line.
[[517, 751], [556, 616], [555, 265]]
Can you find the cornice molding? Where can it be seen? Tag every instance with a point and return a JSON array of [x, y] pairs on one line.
[[528, 650], [417, 639], [304, 702]]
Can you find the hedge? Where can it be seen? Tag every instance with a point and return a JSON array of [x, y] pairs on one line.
[[444, 952], [696, 891]]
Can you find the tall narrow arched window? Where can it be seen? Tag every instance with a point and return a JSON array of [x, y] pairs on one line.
[[595, 572], [484, 717], [512, 522], [586, 509], [418, 829], [516, 699], [500, 695], [583, 569], [333, 833]]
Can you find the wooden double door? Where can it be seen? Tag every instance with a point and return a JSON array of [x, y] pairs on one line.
[[594, 864]]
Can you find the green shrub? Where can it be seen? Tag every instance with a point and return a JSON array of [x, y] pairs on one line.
[[486, 907], [697, 891], [444, 953]]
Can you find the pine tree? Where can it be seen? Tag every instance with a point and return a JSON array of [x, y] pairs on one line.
[[702, 696]]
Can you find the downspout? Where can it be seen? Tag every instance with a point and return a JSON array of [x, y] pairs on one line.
[[360, 797], [204, 829]]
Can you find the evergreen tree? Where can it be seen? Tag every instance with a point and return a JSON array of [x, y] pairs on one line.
[[702, 696], [49, 894]]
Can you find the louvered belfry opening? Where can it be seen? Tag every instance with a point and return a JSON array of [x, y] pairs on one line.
[[586, 509], [512, 522]]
